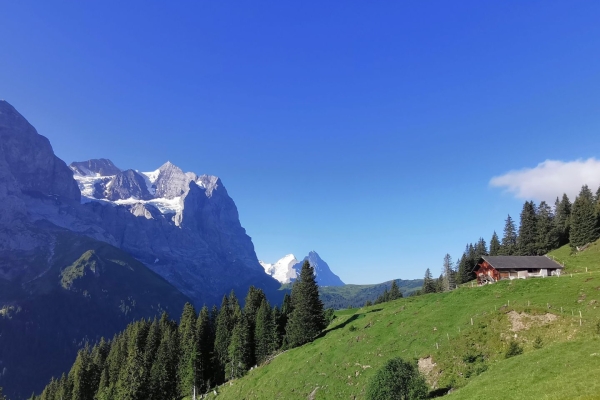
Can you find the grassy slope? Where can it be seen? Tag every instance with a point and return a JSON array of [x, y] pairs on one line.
[[341, 363]]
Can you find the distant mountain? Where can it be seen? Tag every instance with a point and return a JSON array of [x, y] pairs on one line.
[[325, 277], [283, 270], [288, 268], [84, 250], [338, 297]]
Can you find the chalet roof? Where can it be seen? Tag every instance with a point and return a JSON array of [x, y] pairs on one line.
[[521, 262]]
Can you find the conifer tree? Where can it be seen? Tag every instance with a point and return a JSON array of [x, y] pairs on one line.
[[527, 239], [562, 219], [222, 338], [238, 351], [429, 285], [448, 282], [80, 376], [264, 333], [2, 397], [509, 240], [307, 319], [279, 333], [547, 235], [188, 356], [494, 245], [253, 301], [205, 343], [481, 248], [584, 227], [394, 291]]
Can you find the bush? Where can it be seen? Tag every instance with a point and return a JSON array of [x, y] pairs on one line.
[[352, 328], [329, 315], [598, 328], [538, 343], [513, 349], [397, 380]]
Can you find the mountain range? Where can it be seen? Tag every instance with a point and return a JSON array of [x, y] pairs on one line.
[[87, 248], [287, 269]]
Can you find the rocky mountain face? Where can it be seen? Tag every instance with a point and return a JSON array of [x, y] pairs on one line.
[[288, 268], [146, 242]]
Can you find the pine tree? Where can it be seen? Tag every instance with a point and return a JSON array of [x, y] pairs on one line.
[[253, 300], [2, 397], [80, 376], [264, 333], [562, 219], [527, 239], [222, 338], [547, 235], [205, 344], [429, 285], [509, 240], [481, 248], [307, 319], [238, 351], [584, 228], [188, 356], [494, 245], [395, 291], [448, 282]]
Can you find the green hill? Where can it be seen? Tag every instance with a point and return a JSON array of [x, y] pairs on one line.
[[461, 339], [338, 297]]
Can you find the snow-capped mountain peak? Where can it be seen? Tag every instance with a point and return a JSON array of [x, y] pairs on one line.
[[144, 193], [283, 269], [288, 268]]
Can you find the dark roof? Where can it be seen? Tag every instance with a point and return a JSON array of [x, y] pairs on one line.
[[521, 262]]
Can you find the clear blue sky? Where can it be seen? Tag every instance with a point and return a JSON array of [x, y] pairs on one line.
[[367, 131]]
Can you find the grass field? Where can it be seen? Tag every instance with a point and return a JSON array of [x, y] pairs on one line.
[[465, 333]]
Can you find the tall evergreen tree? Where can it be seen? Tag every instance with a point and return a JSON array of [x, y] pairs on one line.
[[264, 333], [253, 300], [205, 344], [562, 219], [188, 351], [238, 349], [481, 248], [429, 285], [527, 239], [509, 240], [80, 376], [547, 235], [224, 326], [448, 274], [307, 319], [495, 245], [584, 227]]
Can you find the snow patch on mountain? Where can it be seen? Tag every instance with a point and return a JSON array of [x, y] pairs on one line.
[[167, 185], [283, 269]]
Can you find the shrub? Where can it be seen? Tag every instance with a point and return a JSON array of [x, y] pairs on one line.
[[397, 380], [513, 349], [598, 328], [352, 328], [538, 343], [329, 315]]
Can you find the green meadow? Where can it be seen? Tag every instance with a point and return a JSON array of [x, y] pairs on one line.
[[461, 339]]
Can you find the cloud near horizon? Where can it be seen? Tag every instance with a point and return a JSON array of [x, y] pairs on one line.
[[550, 179]]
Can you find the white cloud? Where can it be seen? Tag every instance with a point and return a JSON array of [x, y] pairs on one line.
[[551, 179]]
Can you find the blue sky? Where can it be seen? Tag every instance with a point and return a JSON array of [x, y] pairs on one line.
[[367, 132]]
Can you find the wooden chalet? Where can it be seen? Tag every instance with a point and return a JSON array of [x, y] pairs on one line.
[[490, 269]]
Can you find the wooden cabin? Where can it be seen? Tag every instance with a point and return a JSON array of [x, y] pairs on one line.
[[491, 269]]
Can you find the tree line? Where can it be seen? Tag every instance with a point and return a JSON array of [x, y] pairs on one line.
[[160, 359], [542, 228]]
